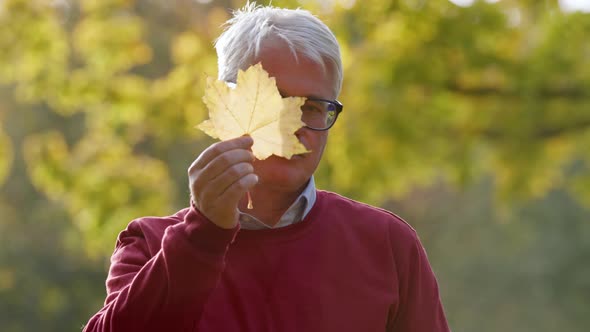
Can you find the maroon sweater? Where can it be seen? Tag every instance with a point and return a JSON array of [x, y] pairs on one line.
[[346, 267]]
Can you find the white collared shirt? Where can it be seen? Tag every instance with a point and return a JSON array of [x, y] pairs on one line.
[[294, 214]]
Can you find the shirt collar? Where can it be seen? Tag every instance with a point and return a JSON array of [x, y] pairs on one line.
[[294, 214]]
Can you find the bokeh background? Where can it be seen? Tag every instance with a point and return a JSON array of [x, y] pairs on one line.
[[470, 119]]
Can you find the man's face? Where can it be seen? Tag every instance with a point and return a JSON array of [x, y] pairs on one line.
[[302, 78]]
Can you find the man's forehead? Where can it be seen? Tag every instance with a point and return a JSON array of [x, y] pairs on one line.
[[313, 96]]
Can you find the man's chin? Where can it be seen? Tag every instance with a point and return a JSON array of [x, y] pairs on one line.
[[277, 170]]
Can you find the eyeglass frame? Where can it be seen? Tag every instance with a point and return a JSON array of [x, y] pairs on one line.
[[339, 109]]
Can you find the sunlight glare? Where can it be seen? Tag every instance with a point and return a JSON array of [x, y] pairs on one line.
[[467, 3], [575, 5], [462, 3]]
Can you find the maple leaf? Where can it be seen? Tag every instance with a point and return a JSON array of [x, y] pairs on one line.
[[253, 106]]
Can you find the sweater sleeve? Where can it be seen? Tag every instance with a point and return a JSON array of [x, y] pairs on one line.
[[165, 291], [420, 308]]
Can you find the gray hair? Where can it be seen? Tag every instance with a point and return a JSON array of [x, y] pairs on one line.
[[304, 33]]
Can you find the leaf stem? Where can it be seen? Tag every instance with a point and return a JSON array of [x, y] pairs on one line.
[[250, 205]]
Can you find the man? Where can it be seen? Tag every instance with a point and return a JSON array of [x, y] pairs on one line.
[[302, 259]]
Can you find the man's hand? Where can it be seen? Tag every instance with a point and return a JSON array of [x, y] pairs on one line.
[[219, 178]]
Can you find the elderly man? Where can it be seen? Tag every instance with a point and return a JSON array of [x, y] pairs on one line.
[[302, 259]]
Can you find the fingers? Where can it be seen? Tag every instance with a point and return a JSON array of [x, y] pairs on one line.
[[243, 142], [211, 187], [220, 176], [230, 175], [236, 190], [234, 162], [215, 200]]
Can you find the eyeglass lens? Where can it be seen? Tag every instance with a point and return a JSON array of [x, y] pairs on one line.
[[318, 114]]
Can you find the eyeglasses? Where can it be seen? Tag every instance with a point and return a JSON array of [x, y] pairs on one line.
[[320, 114]]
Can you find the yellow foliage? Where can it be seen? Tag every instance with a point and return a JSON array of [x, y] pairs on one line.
[[432, 91], [100, 182], [186, 47]]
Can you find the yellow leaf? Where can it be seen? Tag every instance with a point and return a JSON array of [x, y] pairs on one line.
[[254, 107]]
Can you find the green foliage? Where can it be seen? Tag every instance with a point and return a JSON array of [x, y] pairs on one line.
[[34, 48], [100, 184], [439, 91], [99, 99], [5, 155], [517, 270], [89, 67]]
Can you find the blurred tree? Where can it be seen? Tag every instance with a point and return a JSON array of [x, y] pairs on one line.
[[5, 155], [437, 91], [520, 271], [458, 93], [98, 102]]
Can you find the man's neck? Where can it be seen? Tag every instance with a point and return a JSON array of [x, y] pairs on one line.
[[269, 204]]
